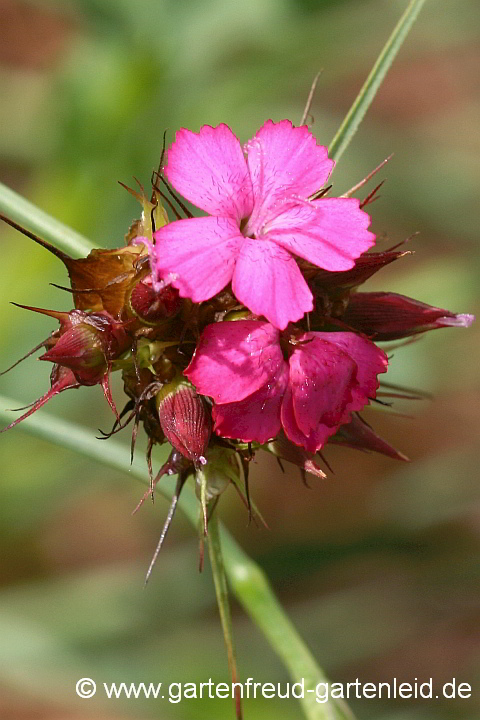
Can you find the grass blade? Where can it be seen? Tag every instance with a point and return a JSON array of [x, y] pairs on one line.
[[41, 223], [355, 115]]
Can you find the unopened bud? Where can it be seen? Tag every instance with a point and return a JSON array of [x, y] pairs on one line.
[[184, 419], [388, 316], [87, 343], [154, 307]]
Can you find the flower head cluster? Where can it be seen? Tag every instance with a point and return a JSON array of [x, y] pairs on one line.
[[243, 329]]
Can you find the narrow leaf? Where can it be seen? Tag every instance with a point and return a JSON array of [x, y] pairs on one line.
[[47, 227], [355, 115]]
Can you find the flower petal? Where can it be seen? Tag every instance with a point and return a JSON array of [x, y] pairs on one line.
[[330, 233], [283, 161], [322, 377], [312, 442], [198, 254], [257, 417], [209, 169], [269, 282], [235, 359], [370, 361]]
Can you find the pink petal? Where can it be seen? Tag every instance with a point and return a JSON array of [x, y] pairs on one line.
[[257, 417], [330, 233], [209, 169], [269, 282], [322, 377], [283, 161], [198, 255], [312, 442], [370, 361], [235, 359]]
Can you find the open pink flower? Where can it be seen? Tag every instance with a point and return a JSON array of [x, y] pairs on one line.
[[262, 381], [259, 218]]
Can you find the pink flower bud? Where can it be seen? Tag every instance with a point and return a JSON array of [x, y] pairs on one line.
[[388, 316], [184, 419]]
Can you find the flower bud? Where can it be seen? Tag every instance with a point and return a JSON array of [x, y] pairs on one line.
[[87, 344], [154, 307], [365, 266], [388, 316], [184, 419]]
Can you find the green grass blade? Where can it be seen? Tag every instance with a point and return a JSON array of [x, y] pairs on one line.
[[45, 226], [355, 115], [246, 578]]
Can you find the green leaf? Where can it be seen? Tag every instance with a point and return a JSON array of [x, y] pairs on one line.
[[48, 228], [369, 89]]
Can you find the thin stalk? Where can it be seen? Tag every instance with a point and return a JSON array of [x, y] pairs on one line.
[[30, 216], [221, 591], [364, 99], [246, 578], [254, 592]]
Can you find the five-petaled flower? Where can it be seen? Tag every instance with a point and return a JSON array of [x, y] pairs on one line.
[[262, 213], [263, 380]]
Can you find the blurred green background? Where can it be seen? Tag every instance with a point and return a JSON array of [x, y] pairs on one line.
[[379, 564]]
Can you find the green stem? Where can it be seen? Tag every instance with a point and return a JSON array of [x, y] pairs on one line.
[[355, 115], [221, 590], [254, 592], [39, 222], [247, 580]]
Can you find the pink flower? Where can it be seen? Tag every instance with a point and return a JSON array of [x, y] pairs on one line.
[[263, 380], [260, 217]]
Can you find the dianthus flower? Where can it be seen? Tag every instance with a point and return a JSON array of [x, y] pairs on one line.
[[262, 213], [309, 383]]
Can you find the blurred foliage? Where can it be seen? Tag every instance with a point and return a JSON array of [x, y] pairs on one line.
[[378, 565]]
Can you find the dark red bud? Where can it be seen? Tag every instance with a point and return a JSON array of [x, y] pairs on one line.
[[79, 349], [154, 307], [88, 346], [388, 316], [365, 266], [184, 419]]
